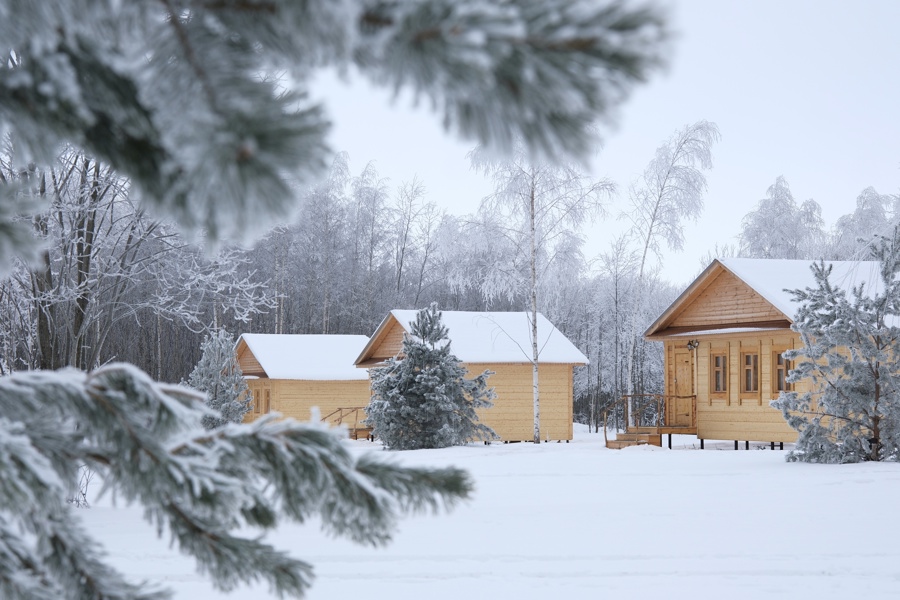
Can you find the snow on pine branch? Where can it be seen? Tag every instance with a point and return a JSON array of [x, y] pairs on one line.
[[146, 441]]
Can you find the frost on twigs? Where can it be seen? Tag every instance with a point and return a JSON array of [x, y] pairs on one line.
[[849, 357], [183, 97], [145, 441]]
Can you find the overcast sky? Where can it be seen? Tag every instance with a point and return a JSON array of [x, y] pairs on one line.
[[806, 89]]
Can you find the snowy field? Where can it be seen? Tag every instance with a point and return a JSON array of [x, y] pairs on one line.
[[580, 521]]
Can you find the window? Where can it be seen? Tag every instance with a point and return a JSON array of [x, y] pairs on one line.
[[750, 382], [268, 401], [719, 373], [256, 401], [782, 367]]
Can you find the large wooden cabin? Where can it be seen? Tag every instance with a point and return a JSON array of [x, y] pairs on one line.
[[723, 342], [500, 342], [292, 374]]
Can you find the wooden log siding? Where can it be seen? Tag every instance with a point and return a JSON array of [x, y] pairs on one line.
[[512, 415], [248, 363], [296, 398], [734, 415], [721, 297]]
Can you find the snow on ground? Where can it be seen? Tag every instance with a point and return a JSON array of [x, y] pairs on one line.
[[580, 521]]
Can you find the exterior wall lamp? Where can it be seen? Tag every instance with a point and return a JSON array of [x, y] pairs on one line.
[[693, 344]]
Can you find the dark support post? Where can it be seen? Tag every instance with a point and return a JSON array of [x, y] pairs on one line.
[[771, 445], [701, 443], [670, 441], [746, 444], [735, 444], [781, 445]]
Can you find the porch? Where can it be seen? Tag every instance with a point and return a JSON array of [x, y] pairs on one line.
[[648, 417]]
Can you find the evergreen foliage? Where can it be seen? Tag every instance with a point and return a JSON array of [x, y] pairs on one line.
[[850, 356], [219, 376], [204, 488], [178, 98], [171, 94], [422, 399]]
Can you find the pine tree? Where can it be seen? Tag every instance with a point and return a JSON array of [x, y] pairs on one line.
[[422, 399], [178, 97], [850, 356], [218, 375]]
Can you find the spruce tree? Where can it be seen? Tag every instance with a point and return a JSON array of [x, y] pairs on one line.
[[219, 376], [850, 356], [422, 399]]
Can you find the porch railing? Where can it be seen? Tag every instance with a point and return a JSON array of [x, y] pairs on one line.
[[346, 416], [635, 411]]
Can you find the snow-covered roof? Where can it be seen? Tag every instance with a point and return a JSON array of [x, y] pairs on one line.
[[500, 337], [314, 357], [771, 277]]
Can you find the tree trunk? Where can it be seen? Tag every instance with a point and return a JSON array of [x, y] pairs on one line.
[[534, 327]]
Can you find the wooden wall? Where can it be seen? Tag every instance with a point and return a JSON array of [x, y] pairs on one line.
[[247, 361], [726, 295], [295, 398], [512, 415], [737, 415]]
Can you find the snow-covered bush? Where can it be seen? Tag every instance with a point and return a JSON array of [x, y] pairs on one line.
[[851, 357], [422, 399], [219, 376]]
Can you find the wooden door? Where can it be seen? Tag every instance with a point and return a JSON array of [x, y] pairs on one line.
[[682, 407]]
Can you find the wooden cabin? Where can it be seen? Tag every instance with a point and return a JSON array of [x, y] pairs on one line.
[[292, 374], [723, 341], [500, 342]]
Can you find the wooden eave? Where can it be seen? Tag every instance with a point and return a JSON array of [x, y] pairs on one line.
[[241, 348], [365, 358], [662, 329]]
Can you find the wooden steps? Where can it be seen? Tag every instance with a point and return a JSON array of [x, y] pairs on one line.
[[635, 438]]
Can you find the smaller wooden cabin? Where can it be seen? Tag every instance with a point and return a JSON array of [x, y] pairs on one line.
[[723, 341], [500, 342], [291, 374]]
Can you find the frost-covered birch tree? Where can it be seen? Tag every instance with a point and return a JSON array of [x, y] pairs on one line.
[[780, 228], [176, 98], [668, 192], [537, 207]]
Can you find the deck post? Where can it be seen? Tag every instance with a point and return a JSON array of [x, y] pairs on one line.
[[781, 445], [701, 443], [735, 444], [670, 441], [771, 445], [746, 444]]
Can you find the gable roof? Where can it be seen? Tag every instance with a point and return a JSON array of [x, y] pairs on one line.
[[766, 280], [486, 337], [311, 357]]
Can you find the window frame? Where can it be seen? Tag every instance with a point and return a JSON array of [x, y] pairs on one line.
[[715, 370], [752, 370], [784, 366]]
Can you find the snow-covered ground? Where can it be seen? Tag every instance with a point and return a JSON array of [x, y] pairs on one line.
[[580, 521]]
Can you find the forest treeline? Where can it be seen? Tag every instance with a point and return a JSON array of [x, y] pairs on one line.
[[113, 283]]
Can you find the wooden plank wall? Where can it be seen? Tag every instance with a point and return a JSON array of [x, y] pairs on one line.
[[726, 299], [247, 361], [391, 343], [736, 415], [512, 415], [296, 398]]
